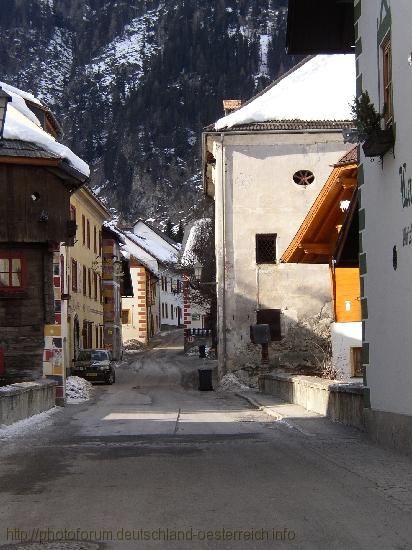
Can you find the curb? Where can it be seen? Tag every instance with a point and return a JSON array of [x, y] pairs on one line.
[[259, 407]]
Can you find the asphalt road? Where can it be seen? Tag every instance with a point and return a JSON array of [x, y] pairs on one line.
[[150, 462]]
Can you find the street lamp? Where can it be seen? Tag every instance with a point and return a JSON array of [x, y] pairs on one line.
[[4, 100]]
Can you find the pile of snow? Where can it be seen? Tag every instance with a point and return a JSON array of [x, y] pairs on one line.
[[133, 345], [32, 424], [230, 382], [21, 124], [320, 89], [78, 389]]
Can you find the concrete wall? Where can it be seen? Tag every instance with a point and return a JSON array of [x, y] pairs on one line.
[[386, 217], [20, 401], [345, 336], [255, 193], [343, 403]]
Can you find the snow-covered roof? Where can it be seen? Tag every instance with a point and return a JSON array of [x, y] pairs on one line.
[[319, 88], [22, 124], [155, 243], [189, 257], [132, 248]]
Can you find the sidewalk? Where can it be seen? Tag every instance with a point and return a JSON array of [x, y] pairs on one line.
[[296, 417]]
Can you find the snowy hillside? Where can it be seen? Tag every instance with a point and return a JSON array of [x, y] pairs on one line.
[[134, 82]]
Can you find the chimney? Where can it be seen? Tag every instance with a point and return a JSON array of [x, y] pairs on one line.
[[230, 105]]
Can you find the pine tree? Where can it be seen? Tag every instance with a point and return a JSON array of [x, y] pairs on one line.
[[169, 227], [180, 233]]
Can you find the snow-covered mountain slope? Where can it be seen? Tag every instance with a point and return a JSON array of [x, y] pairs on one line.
[[134, 82]]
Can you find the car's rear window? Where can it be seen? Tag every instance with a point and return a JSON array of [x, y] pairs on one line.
[[84, 356], [100, 356]]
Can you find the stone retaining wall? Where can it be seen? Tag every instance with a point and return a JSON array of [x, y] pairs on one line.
[[341, 402], [20, 401]]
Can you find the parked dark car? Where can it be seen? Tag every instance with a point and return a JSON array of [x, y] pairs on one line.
[[95, 365]]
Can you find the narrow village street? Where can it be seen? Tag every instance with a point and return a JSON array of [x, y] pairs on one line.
[[151, 455]]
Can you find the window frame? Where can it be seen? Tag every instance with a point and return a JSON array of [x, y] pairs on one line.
[[88, 233], [84, 229], [14, 255], [387, 80], [74, 275]]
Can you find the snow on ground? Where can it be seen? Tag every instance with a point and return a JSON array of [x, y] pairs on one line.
[[230, 382], [31, 424], [321, 89], [78, 389]]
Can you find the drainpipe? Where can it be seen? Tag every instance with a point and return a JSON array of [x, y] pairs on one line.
[[223, 191]]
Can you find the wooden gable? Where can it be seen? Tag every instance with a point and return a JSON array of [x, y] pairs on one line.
[[316, 239]]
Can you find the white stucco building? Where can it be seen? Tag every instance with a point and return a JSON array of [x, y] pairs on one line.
[[385, 71], [265, 164], [170, 284]]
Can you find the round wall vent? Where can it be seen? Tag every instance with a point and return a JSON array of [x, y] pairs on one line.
[[303, 177]]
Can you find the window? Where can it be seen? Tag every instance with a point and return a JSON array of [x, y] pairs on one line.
[[100, 290], [95, 285], [167, 311], [125, 316], [13, 274], [303, 177], [74, 275], [266, 248], [386, 49], [271, 317], [61, 273], [100, 243], [88, 234], [84, 229], [73, 213], [84, 281], [163, 310], [89, 281], [95, 240], [171, 312], [357, 362]]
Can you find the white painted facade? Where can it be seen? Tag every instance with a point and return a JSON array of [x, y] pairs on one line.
[[387, 292], [170, 283], [171, 299], [345, 337], [252, 183]]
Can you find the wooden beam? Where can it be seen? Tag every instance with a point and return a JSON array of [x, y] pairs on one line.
[[322, 249], [348, 183], [29, 161]]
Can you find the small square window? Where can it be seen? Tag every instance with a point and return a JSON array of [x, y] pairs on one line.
[[266, 248]]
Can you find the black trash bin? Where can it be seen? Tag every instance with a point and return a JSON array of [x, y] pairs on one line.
[[205, 380], [202, 352]]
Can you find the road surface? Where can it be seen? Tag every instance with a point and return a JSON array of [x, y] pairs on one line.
[[151, 462]]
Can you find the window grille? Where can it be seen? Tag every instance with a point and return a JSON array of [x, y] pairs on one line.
[[266, 248]]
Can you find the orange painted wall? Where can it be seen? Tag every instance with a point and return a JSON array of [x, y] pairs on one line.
[[347, 289]]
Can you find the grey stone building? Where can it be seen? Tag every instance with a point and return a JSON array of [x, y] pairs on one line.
[[264, 165]]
